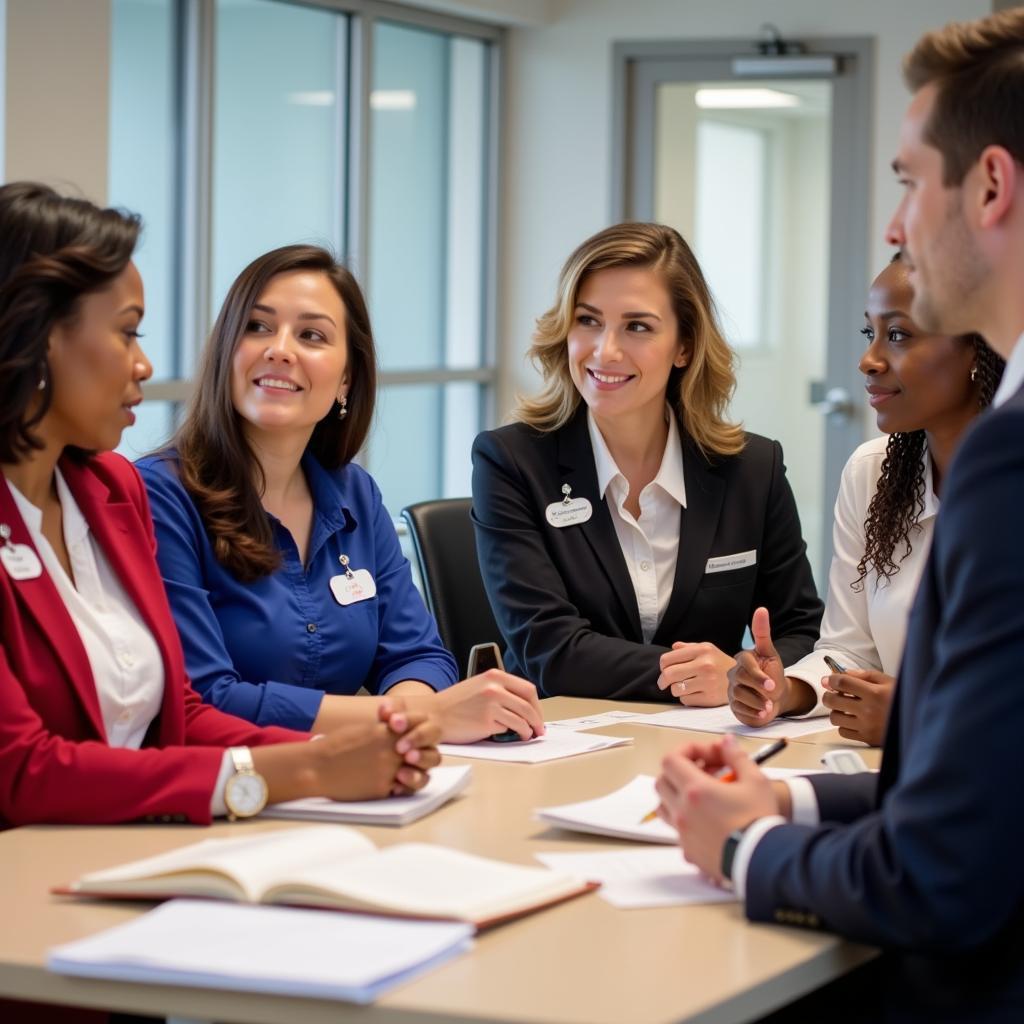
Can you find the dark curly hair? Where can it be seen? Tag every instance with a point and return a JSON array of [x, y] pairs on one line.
[[55, 250], [899, 497]]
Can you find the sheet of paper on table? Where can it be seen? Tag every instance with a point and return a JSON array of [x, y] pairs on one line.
[[550, 747], [722, 720]]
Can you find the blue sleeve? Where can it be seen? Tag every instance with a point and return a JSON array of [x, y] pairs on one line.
[[408, 644], [937, 866], [190, 572]]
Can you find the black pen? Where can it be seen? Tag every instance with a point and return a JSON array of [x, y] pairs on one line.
[[834, 665]]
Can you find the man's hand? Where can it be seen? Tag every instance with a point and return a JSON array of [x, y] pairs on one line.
[[704, 809]]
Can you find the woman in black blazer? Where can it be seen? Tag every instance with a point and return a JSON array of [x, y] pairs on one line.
[[626, 530]]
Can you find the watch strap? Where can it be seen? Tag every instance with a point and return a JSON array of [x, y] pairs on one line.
[[729, 848]]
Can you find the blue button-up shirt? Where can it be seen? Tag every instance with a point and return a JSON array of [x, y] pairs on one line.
[[269, 650]]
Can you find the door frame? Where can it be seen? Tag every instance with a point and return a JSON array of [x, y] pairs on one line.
[[640, 66]]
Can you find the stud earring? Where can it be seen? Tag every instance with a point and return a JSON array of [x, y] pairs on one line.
[[41, 386], [974, 373], [342, 407]]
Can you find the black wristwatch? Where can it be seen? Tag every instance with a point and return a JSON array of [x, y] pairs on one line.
[[729, 852]]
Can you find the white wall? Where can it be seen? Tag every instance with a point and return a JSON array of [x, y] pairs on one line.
[[557, 142]]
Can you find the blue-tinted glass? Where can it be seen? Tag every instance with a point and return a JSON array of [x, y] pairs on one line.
[[278, 125], [154, 425], [141, 159]]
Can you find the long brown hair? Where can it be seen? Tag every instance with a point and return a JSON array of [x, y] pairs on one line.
[[54, 251], [217, 466], [699, 392]]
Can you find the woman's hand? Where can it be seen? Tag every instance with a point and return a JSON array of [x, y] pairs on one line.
[[859, 700], [759, 690], [483, 705], [696, 674]]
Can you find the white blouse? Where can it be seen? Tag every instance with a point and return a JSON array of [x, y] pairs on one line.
[[125, 660], [866, 628], [650, 544]]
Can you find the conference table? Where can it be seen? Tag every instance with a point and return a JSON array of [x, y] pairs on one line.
[[581, 962]]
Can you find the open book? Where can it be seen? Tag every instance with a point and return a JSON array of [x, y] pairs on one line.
[[336, 867], [445, 782]]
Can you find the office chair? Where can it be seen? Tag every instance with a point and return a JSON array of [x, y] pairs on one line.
[[442, 538]]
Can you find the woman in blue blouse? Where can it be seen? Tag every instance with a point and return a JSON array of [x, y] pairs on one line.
[[282, 565]]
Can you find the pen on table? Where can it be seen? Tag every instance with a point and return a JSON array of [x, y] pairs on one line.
[[728, 775]]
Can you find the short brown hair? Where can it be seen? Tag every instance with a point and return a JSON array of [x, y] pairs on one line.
[[699, 392], [217, 466], [54, 251], [978, 69]]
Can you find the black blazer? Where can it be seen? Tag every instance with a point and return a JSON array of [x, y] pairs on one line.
[[563, 598], [929, 862]]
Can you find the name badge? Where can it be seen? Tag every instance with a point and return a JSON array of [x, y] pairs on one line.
[[352, 587], [20, 561], [723, 563], [568, 513]]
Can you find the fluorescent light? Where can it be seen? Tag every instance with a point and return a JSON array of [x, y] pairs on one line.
[[321, 98], [791, 66], [392, 99], [744, 99]]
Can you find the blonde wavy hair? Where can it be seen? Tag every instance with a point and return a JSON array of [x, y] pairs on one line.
[[700, 392]]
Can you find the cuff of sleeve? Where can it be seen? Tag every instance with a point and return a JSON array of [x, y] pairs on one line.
[[753, 834], [805, 801], [294, 707], [814, 682], [422, 672], [218, 808]]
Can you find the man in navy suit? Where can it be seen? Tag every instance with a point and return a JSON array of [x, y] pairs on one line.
[[925, 859]]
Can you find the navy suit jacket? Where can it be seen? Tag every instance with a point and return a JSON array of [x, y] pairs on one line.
[[924, 859], [563, 598]]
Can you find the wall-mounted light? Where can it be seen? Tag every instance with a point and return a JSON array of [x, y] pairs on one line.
[[313, 98], [744, 99]]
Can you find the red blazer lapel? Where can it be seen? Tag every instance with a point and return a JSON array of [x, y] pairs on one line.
[[119, 530], [43, 602]]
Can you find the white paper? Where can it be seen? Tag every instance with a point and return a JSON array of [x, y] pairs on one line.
[[649, 877], [618, 814], [549, 747], [723, 720], [596, 721], [277, 950], [445, 783]]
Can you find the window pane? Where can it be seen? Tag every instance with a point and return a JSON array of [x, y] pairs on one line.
[[141, 159], [154, 425], [278, 131], [729, 243], [420, 442], [426, 228]]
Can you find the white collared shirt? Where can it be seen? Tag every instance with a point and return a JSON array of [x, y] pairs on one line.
[[125, 660], [650, 544], [1013, 375], [867, 628]]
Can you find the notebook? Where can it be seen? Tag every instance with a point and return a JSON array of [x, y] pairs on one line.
[[336, 867], [445, 783], [285, 952]]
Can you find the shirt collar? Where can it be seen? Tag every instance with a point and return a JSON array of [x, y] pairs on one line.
[[75, 526], [1013, 375], [931, 501], [330, 502], [670, 473]]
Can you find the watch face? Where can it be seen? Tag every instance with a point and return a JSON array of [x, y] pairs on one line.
[[245, 794]]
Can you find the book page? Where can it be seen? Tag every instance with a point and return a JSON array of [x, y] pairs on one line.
[[429, 881], [236, 868]]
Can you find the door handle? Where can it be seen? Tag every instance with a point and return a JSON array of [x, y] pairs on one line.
[[834, 402]]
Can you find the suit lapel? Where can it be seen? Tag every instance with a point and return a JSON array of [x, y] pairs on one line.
[[44, 604], [576, 460], [698, 523]]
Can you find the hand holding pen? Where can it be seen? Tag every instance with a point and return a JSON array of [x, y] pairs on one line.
[[725, 774]]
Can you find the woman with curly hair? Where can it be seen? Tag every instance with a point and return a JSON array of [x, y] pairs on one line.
[[626, 528], [926, 390]]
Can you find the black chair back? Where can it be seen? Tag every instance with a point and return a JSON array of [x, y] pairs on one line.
[[442, 538]]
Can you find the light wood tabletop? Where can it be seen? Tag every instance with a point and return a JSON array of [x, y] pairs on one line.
[[583, 962]]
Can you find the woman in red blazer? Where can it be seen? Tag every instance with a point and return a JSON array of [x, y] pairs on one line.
[[70, 305]]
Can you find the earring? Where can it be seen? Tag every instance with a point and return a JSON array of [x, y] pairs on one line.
[[974, 373], [41, 386], [342, 407]]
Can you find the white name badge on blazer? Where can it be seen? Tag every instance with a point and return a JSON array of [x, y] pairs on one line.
[[20, 561], [723, 563], [571, 512], [353, 587]]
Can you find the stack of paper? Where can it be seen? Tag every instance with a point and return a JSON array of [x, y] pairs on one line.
[[549, 747], [275, 950], [445, 782]]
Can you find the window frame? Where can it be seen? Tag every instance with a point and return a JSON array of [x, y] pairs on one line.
[[194, 88]]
